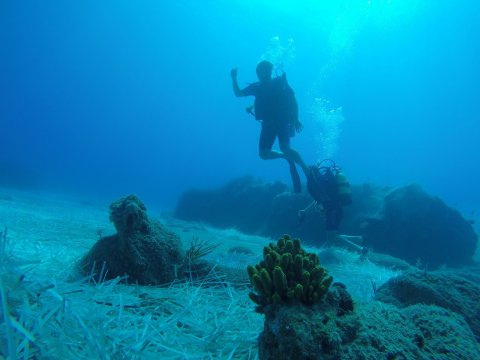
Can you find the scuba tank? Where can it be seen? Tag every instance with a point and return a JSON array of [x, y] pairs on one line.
[[326, 182]]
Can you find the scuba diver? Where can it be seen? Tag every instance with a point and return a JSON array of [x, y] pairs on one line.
[[277, 109], [331, 192]]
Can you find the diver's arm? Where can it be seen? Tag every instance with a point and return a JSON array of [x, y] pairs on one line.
[[236, 88]]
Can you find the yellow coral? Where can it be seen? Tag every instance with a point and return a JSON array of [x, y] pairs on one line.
[[288, 274]]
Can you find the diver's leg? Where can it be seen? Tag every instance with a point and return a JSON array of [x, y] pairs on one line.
[[265, 144], [356, 239], [284, 142], [333, 217], [284, 132], [341, 241], [292, 155], [266, 154], [297, 184]]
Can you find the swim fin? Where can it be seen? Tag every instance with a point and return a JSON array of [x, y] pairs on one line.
[[297, 185]]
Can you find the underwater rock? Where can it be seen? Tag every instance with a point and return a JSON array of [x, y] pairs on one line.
[[309, 332], [283, 217], [457, 291], [373, 331], [243, 203], [284, 214], [406, 222], [268, 209], [414, 225], [142, 249]]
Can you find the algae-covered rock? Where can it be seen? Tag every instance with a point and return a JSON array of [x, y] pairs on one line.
[[455, 290], [243, 203], [142, 250], [373, 331], [413, 225], [288, 274]]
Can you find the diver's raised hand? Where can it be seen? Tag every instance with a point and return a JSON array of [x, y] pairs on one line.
[[236, 89]]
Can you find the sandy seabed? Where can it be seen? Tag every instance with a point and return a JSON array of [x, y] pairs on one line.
[[50, 311]]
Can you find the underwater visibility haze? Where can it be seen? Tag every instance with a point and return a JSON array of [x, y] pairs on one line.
[[132, 104], [110, 98]]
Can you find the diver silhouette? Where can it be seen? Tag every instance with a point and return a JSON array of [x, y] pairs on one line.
[[277, 109]]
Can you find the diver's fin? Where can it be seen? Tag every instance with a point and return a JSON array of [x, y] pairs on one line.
[[297, 185]]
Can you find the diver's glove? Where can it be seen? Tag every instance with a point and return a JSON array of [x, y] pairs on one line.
[[297, 125]]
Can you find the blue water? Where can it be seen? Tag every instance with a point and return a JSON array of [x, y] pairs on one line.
[[116, 97]]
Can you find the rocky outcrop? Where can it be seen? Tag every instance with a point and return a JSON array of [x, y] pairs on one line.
[[370, 331], [406, 222], [142, 249], [457, 291], [416, 226], [242, 203]]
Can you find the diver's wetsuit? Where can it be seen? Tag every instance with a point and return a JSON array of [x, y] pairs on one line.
[[273, 105], [333, 215], [323, 189]]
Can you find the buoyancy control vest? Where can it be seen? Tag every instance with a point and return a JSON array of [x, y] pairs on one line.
[[326, 183], [275, 100]]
